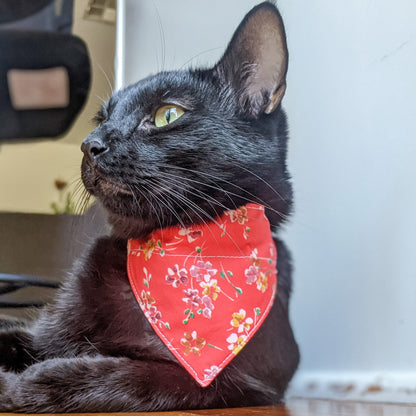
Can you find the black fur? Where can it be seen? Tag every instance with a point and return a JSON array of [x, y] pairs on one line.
[[93, 350]]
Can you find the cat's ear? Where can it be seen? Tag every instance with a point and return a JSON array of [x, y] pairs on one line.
[[255, 62]]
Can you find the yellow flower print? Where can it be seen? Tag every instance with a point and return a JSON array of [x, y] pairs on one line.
[[239, 215], [254, 260], [148, 248], [240, 322], [236, 342], [152, 246], [193, 343], [210, 289], [146, 299], [262, 282]]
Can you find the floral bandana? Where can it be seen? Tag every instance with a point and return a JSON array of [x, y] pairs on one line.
[[206, 289]]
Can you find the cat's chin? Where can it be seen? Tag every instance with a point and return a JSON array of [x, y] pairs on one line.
[[142, 224], [129, 227]]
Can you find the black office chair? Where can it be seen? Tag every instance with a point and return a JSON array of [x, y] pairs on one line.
[[13, 282], [35, 45]]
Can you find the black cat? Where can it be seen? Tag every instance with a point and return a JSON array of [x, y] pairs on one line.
[[177, 148]]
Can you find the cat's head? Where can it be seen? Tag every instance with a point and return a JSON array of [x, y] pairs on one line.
[[181, 147]]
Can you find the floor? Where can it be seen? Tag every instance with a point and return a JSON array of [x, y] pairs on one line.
[[301, 407]]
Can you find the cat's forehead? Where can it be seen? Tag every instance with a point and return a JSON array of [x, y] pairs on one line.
[[160, 88]]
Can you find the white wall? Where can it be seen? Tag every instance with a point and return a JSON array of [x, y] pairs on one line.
[[351, 102]]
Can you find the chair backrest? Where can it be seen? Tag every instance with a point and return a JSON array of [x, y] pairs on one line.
[[32, 54], [51, 15], [45, 72]]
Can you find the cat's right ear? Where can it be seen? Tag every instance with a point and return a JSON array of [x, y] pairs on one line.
[[254, 65]]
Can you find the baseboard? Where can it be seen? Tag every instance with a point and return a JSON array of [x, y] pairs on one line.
[[383, 386]]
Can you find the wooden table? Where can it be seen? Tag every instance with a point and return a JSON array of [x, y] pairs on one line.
[[294, 407]]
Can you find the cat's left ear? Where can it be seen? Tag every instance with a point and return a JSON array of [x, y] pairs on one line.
[[255, 62]]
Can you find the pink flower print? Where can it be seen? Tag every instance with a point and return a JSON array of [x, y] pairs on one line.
[[252, 273], [202, 271], [211, 373], [193, 343], [177, 276], [192, 298], [239, 215], [209, 306], [153, 314], [236, 342], [240, 322], [191, 234]]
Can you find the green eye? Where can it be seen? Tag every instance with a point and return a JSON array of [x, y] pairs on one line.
[[168, 114]]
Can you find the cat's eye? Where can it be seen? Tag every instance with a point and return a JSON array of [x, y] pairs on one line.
[[168, 114]]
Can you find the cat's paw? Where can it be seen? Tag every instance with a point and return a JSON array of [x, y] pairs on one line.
[[7, 386], [15, 349]]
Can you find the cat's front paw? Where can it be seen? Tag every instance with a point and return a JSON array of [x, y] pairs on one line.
[[16, 351], [7, 386]]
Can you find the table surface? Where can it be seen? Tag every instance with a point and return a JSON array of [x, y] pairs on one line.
[[295, 407]]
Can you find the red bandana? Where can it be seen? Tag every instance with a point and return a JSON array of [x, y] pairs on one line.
[[206, 289]]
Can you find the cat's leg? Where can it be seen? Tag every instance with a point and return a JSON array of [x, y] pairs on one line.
[[257, 376], [16, 349], [101, 384], [7, 382]]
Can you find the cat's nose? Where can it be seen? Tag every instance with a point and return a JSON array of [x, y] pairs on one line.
[[93, 147]]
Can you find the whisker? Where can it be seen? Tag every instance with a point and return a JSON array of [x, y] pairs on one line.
[[200, 194], [260, 179], [78, 196], [255, 198], [173, 180], [81, 197], [199, 54], [103, 101], [216, 178], [79, 202], [168, 206], [134, 198], [106, 77], [82, 204], [162, 38], [153, 208], [86, 203], [195, 207], [216, 187], [189, 204]]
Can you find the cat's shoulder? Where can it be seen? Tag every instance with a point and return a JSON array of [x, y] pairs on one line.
[[104, 263], [99, 278], [109, 245], [104, 253]]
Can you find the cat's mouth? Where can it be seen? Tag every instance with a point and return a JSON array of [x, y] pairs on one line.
[[105, 188], [101, 185], [110, 187]]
